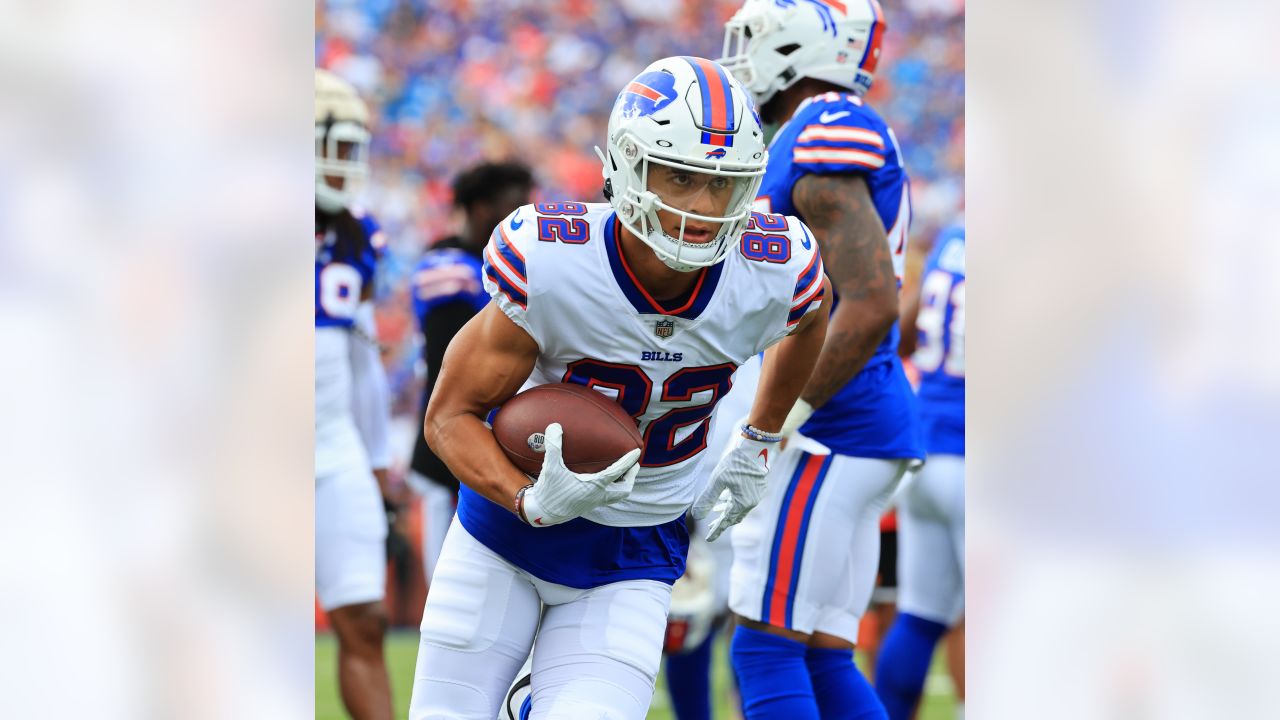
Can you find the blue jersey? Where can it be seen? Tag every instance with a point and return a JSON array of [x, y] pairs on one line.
[[875, 414], [446, 275], [341, 276], [448, 290], [940, 348]]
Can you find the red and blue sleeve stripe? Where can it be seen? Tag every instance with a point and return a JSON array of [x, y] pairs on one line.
[[717, 102], [800, 309], [505, 266], [510, 253], [808, 276], [828, 145], [513, 293], [790, 534], [809, 290]]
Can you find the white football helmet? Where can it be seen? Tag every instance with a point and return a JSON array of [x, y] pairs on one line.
[[686, 114], [771, 44], [342, 141]]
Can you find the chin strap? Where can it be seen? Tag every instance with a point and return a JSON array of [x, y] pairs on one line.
[[329, 199]]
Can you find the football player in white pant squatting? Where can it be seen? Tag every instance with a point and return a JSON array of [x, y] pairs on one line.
[[655, 298], [805, 560], [350, 407]]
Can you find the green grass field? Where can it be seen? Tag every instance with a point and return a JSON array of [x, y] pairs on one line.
[[402, 650]]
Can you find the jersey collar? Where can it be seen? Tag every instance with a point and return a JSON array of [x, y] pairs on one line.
[[640, 299]]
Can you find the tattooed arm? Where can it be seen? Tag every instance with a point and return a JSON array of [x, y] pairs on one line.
[[839, 210]]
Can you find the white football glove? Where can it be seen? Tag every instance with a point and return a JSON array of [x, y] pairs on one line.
[[560, 495], [737, 483]]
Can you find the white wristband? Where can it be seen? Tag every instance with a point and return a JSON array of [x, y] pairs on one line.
[[798, 416]]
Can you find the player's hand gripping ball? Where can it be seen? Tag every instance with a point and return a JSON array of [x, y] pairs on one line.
[[597, 431], [573, 477]]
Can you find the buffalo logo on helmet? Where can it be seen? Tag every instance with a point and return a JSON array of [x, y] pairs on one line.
[[823, 8], [717, 153], [648, 94]]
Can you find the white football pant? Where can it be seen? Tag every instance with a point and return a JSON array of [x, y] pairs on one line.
[[806, 557], [931, 541], [596, 653], [351, 534]]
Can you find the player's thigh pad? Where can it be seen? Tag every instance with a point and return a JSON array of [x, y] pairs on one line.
[[931, 541], [477, 629], [351, 533], [799, 555], [597, 656]]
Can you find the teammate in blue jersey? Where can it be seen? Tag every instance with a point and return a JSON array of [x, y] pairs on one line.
[[805, 560], [931, 513], [448, 290], [350, 417], [654, 299]]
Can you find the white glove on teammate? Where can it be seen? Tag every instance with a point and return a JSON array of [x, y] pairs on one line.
[[737, 483], [560, 495]]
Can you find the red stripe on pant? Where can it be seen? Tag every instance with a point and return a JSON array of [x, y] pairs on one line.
[[792, 545]]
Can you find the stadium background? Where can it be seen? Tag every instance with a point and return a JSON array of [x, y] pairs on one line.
[[450, 83]]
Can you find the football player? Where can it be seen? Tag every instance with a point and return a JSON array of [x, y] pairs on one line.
[[805, 560], [448, 290], [654, 298], [931, 514], [350, 524]]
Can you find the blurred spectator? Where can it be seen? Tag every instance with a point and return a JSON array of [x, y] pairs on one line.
[[448, 290], [455, 82]]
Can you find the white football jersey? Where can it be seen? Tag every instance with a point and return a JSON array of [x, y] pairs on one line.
[[557, 270]]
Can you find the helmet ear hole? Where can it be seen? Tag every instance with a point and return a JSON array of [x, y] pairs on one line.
[[787, 49]]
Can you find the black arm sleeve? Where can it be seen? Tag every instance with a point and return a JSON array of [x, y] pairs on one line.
[[441, 325]]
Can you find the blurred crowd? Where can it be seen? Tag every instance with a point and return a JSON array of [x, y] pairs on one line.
[[454, 82]]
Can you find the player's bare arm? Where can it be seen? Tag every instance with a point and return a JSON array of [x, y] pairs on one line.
[[787, 367], [485, 365], [855, 251]]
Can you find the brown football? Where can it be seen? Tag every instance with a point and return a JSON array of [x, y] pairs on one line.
[[597, 431]]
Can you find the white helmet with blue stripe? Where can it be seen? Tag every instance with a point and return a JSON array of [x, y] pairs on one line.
[[685, 139], [771, 44]]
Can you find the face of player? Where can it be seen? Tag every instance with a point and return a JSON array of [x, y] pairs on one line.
[[346, 151], [693, 192], [484, 216]]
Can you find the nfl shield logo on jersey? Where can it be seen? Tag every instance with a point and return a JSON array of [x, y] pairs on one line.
[[664, 328]]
